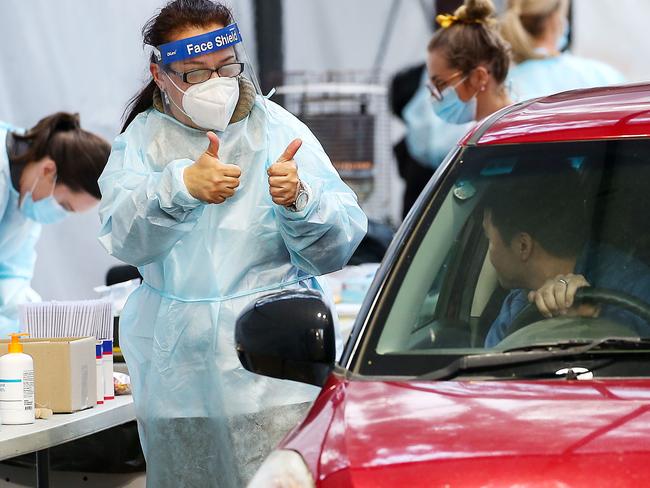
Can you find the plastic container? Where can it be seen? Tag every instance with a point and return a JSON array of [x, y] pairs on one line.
[[107, 358], [17, 384], [100, 372]]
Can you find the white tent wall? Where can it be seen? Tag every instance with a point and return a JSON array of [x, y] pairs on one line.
[[616, 32], [344, 34], [86, 56]]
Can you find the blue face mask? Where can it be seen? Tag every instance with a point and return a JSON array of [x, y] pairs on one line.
[[44, 211], [563, 40], [452, 109]]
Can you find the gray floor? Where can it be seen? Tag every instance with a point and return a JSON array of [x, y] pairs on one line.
[[11, 476]]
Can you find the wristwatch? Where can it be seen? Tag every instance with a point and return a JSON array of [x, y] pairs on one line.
[[301, 199]]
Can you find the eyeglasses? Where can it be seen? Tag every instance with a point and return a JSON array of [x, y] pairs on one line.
[[437, 88], [230, 70]]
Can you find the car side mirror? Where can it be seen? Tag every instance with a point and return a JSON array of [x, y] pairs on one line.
[[287, 335]]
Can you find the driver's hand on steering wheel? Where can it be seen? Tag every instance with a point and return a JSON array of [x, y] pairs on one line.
[[555, 297]]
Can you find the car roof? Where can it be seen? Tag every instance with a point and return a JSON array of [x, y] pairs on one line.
[[579, 115]]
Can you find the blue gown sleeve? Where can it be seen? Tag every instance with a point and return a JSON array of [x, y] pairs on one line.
[[17, 256], [616, 270], [323, 236], [143, 211], [16, 270], [514, 303]]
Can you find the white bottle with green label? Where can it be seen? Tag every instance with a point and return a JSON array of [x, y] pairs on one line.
[[16, 385]]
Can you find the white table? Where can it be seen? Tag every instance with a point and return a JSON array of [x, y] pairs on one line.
[[16, 440]]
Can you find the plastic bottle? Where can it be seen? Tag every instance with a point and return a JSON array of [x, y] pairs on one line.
[[100, 372], [107, 359], [17, 384]]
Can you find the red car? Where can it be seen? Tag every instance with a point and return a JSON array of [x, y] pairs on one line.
[[505, 340]]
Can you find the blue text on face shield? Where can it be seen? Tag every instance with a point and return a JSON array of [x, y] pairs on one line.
[[198, 45]]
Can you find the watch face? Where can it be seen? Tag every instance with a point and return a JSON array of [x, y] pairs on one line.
[[301, 200]]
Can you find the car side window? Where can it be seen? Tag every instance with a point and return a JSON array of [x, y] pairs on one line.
[[501, 225], [424, 295]]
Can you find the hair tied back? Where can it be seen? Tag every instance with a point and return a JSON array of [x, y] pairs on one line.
[[447, 20], [68, 121]]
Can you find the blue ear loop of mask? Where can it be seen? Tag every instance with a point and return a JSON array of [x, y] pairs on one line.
[[44, 211]]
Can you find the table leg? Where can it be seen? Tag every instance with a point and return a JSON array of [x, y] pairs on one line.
[[43, 468]]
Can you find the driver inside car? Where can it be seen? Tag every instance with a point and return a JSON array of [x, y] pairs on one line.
[[538, 227]]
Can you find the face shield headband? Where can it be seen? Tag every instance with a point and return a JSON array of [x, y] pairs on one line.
[[197, 45]]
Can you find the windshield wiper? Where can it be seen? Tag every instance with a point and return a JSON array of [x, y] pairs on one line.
[[532, 354], [624, 343]]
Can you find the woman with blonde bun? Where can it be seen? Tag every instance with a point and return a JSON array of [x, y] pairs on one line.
[[537, 31], [468, 64]]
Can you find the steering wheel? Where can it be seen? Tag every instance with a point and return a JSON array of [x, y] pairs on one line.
[[530, 314]]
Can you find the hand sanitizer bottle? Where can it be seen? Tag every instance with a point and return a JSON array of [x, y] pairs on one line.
[[17, 384]]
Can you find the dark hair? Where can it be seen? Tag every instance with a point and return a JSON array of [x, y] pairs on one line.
[[549, 205], [80, 156], [158, 30], [472, 39]]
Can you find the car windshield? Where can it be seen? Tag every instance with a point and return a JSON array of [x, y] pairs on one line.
[[523, 247]]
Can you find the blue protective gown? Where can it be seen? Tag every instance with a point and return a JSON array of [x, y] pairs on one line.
[[203, 419], [428, 137], [18, 237], [541, 77]]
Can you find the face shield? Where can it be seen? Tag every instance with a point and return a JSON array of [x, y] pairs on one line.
[[208, 78]]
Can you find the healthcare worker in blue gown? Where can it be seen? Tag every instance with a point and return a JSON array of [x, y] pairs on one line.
[[218, 196], [46, 172], [433, 128], [537, 31]]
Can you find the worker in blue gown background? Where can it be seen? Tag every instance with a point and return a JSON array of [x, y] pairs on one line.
[[538, 33]]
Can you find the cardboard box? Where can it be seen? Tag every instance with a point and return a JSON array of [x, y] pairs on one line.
[[64, 372]]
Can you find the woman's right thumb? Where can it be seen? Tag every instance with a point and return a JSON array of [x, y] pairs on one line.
[[213, 147]]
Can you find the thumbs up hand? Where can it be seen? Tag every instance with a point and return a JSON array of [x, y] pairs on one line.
[[210, 180], [283, 176]]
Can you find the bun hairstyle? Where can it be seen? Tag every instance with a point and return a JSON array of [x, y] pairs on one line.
[[524, 21], [478, 11], [469, 38], [42, 132], [80, 156]]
